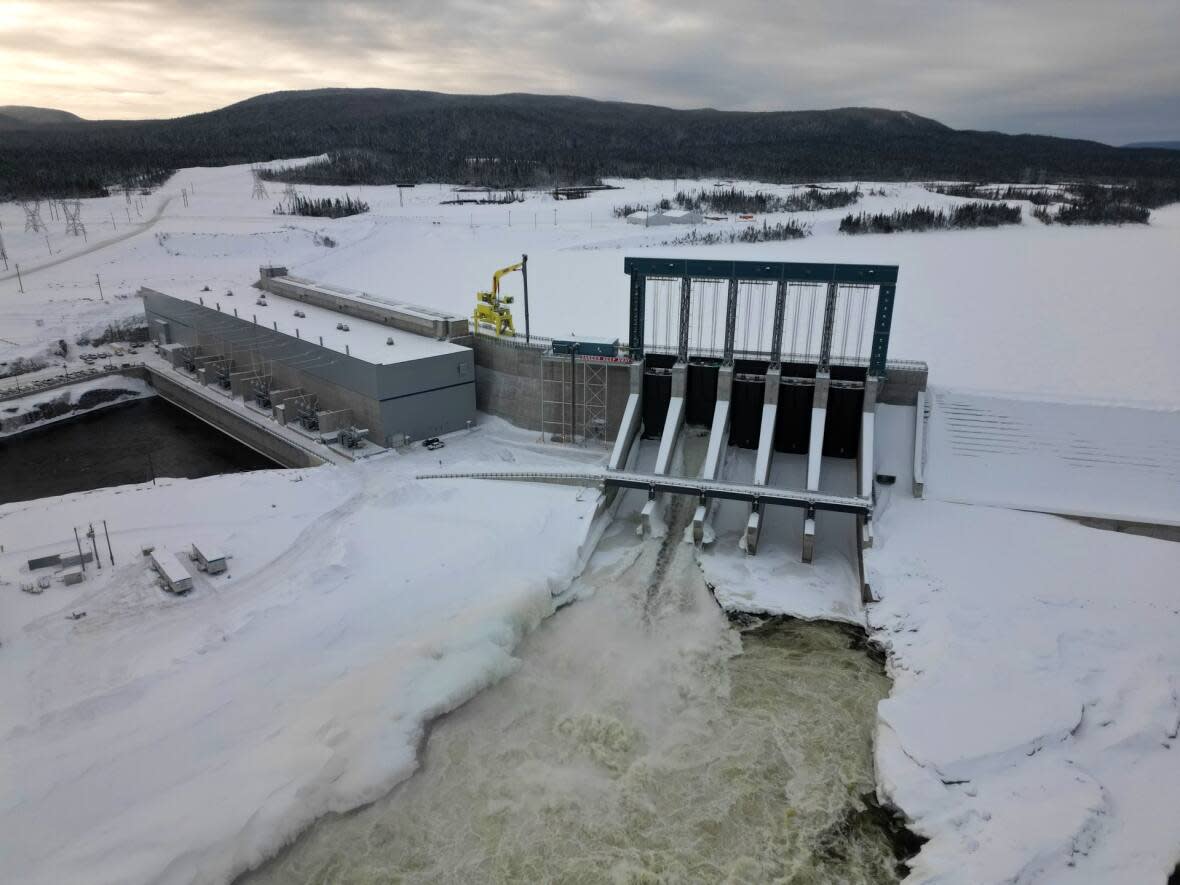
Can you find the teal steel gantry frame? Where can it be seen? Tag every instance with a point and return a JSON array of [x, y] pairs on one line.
[[884, 276]]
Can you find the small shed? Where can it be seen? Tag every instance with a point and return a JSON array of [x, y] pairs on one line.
[[209, 557], [171, 571], [665, 217]]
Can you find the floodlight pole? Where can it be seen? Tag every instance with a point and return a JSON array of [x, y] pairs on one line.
[[81, 558], [524, 272], [107, 532]]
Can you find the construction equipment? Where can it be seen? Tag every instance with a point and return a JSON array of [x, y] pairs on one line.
[[491, 308]]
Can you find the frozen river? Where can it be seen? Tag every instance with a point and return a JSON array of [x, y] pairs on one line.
[[643, 739]]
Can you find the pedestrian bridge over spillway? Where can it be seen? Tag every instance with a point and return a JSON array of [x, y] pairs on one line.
[[654, 483]]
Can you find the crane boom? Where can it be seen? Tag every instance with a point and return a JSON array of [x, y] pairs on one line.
[[501, 272], [491, 308]]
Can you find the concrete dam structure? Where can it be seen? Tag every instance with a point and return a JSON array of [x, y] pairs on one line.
[[781, 359], [778, 358]]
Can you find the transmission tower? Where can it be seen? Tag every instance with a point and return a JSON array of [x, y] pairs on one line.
[[33, 220], [259, 187], [73, 214]]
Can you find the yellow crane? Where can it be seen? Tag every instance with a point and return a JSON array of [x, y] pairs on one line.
[[492, 309]]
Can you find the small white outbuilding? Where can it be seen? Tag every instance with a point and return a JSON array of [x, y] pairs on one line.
[[665, 217]]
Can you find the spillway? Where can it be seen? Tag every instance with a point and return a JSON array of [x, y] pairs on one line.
[[643, 739]]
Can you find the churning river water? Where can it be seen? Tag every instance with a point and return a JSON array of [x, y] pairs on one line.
[[644, 739]]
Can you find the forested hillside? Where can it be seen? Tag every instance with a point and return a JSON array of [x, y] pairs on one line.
[[528, 140]]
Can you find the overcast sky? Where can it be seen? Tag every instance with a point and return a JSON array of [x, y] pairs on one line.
[[1106, 70]]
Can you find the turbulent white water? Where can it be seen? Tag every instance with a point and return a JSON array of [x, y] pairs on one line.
[[641, 741]]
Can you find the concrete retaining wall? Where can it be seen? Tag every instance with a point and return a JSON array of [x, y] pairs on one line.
[[508, 383], [903, 381], [277, 448]]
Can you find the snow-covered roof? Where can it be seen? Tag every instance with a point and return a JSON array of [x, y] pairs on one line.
[[365, 339]]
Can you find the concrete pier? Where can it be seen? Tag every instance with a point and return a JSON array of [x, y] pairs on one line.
[[718, 444], [919, 481], [815, 454], [629, 424], [864, 455], [669, 440], [764, 456]]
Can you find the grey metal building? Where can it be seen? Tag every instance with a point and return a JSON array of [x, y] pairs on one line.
[[303, 357]]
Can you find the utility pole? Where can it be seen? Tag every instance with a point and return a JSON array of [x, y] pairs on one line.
[[524, 272], [106, 531], [19, 281], [98, 280], [94, 544], [81, 558], [573, 393]]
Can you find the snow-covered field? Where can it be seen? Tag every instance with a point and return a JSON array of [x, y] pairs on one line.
[[1032, 730], [181, 739]]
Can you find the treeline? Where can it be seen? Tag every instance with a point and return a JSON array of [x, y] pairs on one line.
[[1098, 205], [324, 207], [738, 202], [1036, 196], [923, 218], [1080, 203], [519, 141], [1150, 194], [377, 167], [763, 233]]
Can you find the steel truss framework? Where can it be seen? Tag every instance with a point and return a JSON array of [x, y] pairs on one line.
[[824, 306], [573, 400]]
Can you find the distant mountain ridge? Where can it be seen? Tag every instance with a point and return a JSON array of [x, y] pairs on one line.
[[25, 115], [1164, 145], [519, 139]]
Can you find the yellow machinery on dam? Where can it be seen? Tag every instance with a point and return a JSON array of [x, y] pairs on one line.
[[492, 310]]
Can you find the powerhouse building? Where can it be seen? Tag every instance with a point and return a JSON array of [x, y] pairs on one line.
[[401, 372]]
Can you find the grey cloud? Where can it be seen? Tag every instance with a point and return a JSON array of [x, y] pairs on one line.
[[1071, 67]]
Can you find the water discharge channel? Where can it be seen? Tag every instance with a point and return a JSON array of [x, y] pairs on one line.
[[123, 443], [644, 739]]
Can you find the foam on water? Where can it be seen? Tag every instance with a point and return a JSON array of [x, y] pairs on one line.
[[643, 740]]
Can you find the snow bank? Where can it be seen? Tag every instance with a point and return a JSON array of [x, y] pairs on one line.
[[1032, 728], [46, 407], [185, 739]]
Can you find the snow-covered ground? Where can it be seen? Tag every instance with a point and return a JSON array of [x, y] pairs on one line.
[[1071, 311], [57, 404], [179, 739], [1032, 730]]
